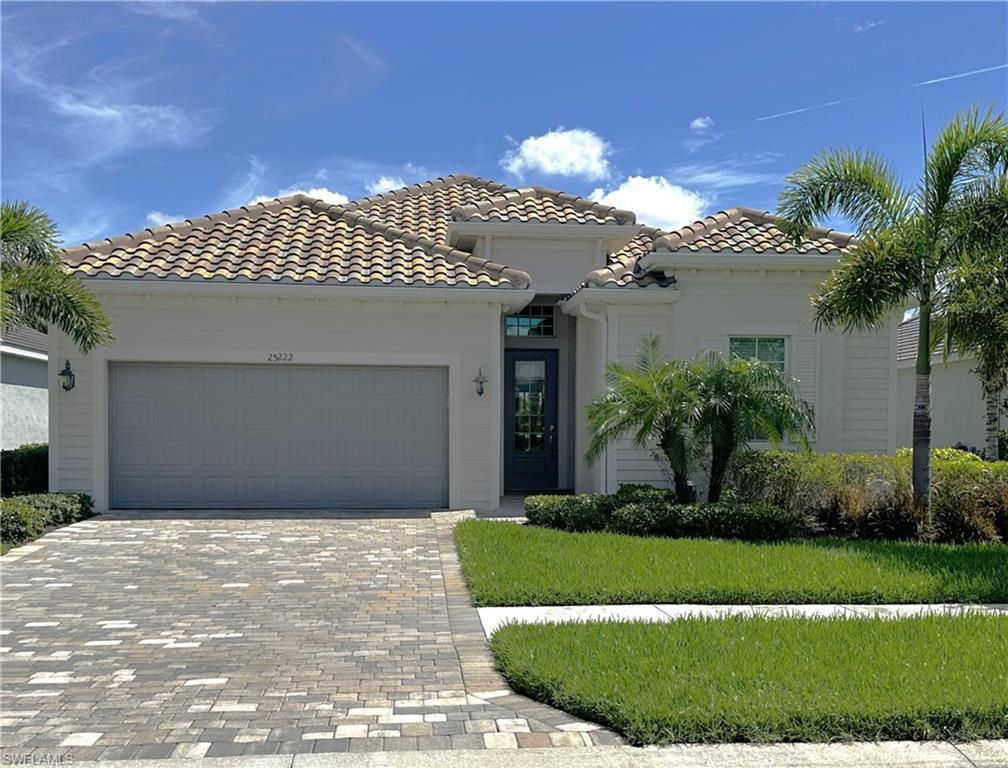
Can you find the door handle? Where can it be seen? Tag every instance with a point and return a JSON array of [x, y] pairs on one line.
[[552, 441]]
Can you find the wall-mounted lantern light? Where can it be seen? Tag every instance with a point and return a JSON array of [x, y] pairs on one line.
[[68, 377], [479, 381]]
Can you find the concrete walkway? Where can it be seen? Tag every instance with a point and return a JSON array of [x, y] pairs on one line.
[[494, 618], [890, 754]]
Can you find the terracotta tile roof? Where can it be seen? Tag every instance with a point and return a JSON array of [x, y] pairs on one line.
[[425, 209], [542, 206], [748, 229], [294, 239], [25, 338], [622, 269]]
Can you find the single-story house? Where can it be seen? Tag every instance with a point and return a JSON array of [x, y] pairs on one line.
[[434, 346], [958, 406], [24, 383]]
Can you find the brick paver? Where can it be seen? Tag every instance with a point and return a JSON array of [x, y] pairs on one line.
[[157, 636]]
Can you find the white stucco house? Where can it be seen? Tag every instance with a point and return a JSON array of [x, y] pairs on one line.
[[433, 346], [23, 384], [958, 406]]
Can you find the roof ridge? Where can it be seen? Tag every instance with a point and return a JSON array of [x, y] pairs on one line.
[[440, 182], [582, 204], [519, 278], [187, 225], [686, 234]]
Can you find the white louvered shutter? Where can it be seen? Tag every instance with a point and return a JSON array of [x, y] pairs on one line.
[[715, 344], [805, 368]]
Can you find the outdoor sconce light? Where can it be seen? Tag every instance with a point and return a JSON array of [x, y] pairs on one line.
[[479, 381], [68, 377]]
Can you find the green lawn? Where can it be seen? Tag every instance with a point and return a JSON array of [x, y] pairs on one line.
[[770, 679], [509, 564]]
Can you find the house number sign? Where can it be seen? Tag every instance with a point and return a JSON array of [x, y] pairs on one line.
[[279, 357]]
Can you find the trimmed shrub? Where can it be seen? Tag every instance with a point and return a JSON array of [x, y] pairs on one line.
[[648, 519], [635, 493], [581, 512], [24, 470], [23, 518], [870, 496], [724, 520], [944, 454]]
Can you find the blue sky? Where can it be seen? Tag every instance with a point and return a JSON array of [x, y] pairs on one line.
[[117, 115]]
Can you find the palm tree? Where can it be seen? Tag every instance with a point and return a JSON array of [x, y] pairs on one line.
[[34, 289], [905, 248], [653, 400], [975, 315], [741, 400]]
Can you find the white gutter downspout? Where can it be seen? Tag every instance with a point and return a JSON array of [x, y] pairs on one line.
[[603, 318]]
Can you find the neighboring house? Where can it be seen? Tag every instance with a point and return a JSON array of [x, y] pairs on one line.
[[23, 385], [428, 347], [958, 408]]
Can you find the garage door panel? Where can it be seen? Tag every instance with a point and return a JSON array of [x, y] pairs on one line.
[[291, 436]]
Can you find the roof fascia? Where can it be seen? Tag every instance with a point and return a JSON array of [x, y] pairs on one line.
[[668, 261], [28, 354], [619, 296], [511, 298]]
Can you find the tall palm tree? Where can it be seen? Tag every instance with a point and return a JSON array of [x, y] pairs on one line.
[[905, 247], [654, 401], [741, 400], [34, 289]]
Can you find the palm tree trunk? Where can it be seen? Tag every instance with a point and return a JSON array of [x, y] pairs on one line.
[[991, 402], [721, 450], [922, 419]]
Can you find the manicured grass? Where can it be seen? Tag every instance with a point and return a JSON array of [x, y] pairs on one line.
[[509, 564], [770, 679]]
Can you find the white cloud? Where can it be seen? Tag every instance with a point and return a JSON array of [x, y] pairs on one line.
[[158, 218], [656, 201], [185, 13], [244, 187], [576, 152], [369, 58], [322, 193], [384, 184], [727, 174], [99, 116], [864, 26], [702, 123]]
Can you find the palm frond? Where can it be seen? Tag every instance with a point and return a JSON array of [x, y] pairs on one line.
[[40, 294], [27, 235], [860, 186], [872, 279], [967, 143]]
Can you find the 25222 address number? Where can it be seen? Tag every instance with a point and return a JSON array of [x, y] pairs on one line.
[[279, 357]]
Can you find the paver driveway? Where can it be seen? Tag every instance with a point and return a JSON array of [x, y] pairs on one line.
[[156, 636]]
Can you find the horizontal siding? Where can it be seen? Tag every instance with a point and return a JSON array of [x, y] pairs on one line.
[[866, 364], [637, 465]]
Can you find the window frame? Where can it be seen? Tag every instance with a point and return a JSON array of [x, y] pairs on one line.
[[786, 338], [528, 313]]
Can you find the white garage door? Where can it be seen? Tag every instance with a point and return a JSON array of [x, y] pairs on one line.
[[257, 436]]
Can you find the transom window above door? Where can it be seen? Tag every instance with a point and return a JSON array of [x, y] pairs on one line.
[[535, 320], [768, 349]]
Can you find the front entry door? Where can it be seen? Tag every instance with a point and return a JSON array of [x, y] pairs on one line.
[[530, 419]]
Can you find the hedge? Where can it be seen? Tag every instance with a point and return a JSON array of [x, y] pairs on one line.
[[638, 510], [871, 496], [23, 518], [24, 470]]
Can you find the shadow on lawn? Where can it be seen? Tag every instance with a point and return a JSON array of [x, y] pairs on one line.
[[984, 565]]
